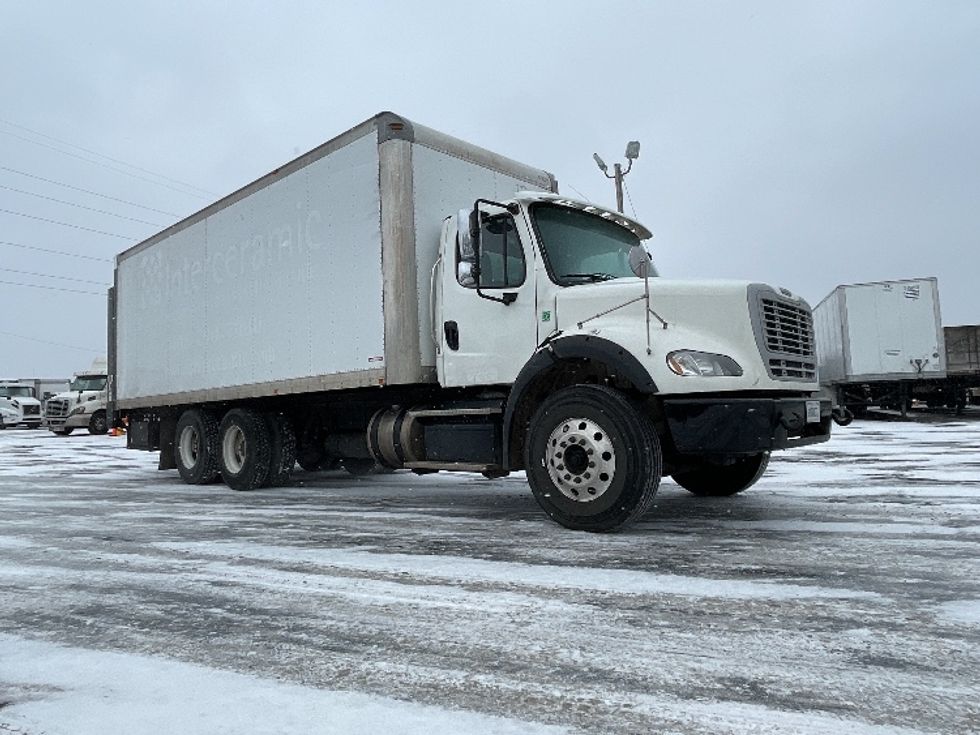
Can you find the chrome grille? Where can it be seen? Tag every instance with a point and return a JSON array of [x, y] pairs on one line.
[[56, 408], [788, 328], [784, 332], [32, 410]]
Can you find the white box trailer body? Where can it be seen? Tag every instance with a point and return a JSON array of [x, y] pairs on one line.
[[880, 331], [314, 277]]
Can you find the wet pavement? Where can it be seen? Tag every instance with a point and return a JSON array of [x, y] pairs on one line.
[[840, 594]]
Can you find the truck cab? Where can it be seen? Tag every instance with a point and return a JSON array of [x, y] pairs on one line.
[[559, 300], [19, 405], [83, 405]]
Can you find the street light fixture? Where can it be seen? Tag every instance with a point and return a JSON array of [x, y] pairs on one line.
[[632, 153]]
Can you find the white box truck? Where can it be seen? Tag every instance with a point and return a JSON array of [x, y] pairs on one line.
[[399, 298], [879, 343]]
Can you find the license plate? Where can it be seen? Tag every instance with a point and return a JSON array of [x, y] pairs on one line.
[[813, 412]]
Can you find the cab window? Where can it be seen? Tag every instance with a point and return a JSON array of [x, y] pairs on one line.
[[502, 263]]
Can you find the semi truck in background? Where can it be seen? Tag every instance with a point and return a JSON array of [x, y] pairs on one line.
[[399, 297], [19, 405], [83, 405], [882, 344]]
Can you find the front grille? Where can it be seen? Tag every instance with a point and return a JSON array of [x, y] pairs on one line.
[[56, 408], [784, 332], [788, 328], [32, 410]]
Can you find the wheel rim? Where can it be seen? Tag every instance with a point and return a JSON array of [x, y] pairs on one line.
[[233, 449], [189, 447], [581, 460]]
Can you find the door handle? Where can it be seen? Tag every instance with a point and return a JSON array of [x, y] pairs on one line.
[[451, 330]]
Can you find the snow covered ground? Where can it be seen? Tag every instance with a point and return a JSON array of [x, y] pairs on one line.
[[839, 595]]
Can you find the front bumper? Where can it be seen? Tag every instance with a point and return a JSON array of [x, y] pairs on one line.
[[744, 425], [78, 421]]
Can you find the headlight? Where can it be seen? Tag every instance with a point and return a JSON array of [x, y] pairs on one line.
[[75, 411], [704, 364]]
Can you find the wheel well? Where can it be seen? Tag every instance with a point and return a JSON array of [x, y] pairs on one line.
[[560, 374]]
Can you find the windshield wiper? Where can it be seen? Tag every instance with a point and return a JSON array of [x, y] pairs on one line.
[[594, 277]]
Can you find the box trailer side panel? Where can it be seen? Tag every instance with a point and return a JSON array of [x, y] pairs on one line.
[[278, 291], [963, 350], [893, 330]]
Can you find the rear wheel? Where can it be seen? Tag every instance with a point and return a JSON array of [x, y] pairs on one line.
[[283, 449], [196, 447], [724, 479], [593, 458], [98, 424], [245, 449], [310, 453]]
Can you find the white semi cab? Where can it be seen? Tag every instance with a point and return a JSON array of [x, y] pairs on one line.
[[400, 299], [19, 405], [83, 406]]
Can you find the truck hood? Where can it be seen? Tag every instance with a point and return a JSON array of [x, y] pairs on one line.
[[20, 401], [717, 317], [672, 300], [75, 397]]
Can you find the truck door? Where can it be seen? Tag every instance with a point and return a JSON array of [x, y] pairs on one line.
[[487, 330]]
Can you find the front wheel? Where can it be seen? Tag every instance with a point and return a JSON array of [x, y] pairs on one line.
[[724, 479], [98, 424], [593, 458]]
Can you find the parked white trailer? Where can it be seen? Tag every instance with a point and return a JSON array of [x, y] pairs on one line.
[[399, 298], [877, 340]]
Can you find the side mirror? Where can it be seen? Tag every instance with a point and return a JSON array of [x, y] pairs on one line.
[[639, 260], [467, 243]]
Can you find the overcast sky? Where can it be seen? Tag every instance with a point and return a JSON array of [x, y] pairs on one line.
[[801, 144]]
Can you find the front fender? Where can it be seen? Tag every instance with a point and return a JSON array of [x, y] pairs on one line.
[[617, 360]]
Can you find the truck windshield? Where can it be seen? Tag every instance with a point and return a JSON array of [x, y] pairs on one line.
[[88, 382], [16, 391], [581, 247]]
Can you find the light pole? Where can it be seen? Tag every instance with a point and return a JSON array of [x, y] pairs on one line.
[[632, 153]]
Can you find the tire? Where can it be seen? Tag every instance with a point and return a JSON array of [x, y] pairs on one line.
[[98, 424], [310, 454], [613, 475], [196, 447], [728, 479], [283, 456], [244, 449], [65, 431]]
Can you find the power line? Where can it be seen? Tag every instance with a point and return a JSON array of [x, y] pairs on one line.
[[46, 342], [54, 252], [51, 288], [68, 224], [60, 278], [87, 191], [104, 165], [108, 158], [81, 206]]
